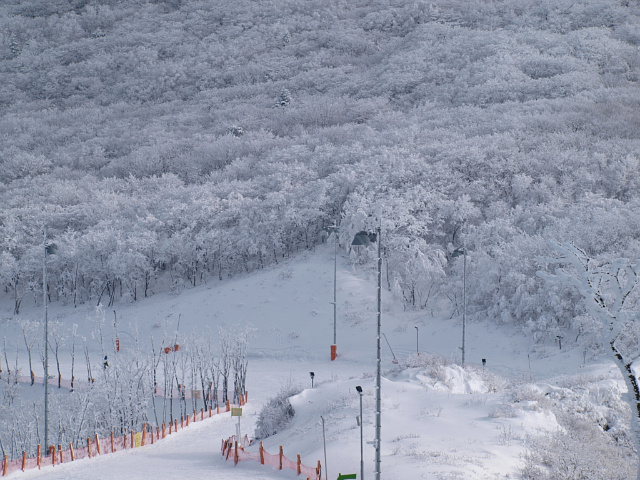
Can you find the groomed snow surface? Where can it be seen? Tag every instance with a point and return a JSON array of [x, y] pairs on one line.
[[439, 420]]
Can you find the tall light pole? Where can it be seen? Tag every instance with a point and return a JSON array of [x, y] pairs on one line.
[[456, 253], [333, 229], [359, 389], [48, 249], [364, 238]]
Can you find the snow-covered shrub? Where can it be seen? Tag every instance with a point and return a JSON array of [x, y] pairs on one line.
[[581, 451], [276, 413]]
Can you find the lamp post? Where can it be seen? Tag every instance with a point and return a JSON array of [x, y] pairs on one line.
[[48, 249], [359, 389], [334, 230], [364, 238], [456, 253]]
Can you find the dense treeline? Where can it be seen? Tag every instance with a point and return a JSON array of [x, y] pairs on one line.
[[184, 140]]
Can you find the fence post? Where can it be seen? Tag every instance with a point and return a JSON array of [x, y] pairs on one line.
[[89, 446], [202, 414], [228, 406], [188, 417], [124, 440], [299, 462], [133, 439], [73, 454], [112, 443], [319, 471], [60, 451], [4, 465], [39, 457], [170, 427], [281, 455], [52, 451], [261, 454], [235, 455], [175, 424], [217, 408], [163, 432], [144, 434], [98, 445], [24, 459]]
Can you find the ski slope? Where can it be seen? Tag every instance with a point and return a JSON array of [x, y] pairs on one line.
[[438, 420]]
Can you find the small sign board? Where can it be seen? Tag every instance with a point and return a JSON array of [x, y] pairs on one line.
[[346, 476], [236, 412]]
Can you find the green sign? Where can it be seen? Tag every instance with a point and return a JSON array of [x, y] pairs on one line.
[[236, 412], [346, 477]]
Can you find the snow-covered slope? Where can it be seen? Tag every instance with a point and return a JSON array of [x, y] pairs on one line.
[[439, 420]]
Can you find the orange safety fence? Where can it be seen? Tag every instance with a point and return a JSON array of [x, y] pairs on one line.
[[232, 450], [105, 445]]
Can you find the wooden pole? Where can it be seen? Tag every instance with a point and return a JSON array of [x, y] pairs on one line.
[[261, 454], [24, 460], [175, 426], [98, 445], [112, 443], [73, 454], [60, 451], [133, 439], [202, 414], [281, 454], [39, 457], [299, 462], [89, 446], [4, 465], [163, 431]]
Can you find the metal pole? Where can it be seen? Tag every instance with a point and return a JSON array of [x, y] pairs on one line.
[[335, 268], [361, 442], [464, 297], [417, 349], [46, 349], [324, 441], [379, 371]]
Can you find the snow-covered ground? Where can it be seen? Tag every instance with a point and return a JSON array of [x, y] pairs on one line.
[[438, 420]]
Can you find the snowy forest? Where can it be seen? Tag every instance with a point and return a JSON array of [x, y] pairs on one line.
[[161, 144]]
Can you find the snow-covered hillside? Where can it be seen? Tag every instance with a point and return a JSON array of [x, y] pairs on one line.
[[439, 419]]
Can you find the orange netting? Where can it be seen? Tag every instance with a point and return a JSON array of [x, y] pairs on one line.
[[236, 451], [100, 446]]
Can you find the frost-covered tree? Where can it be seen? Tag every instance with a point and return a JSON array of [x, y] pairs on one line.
[[610, 292]]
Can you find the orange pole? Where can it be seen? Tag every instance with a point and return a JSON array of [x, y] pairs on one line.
[[89, 446], [175, 426], [246, 396], [163, 432], [170, 427], [24, 460], [73, 454], [4, 465], [235, 456], [188, 417], [112, 443], [261, 454], [281, 455], [133, 441], [299, 462], [98, 445], [39, 457], [181, 421], [228, 406], [144, 434], [218, 408], [52, 451]]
